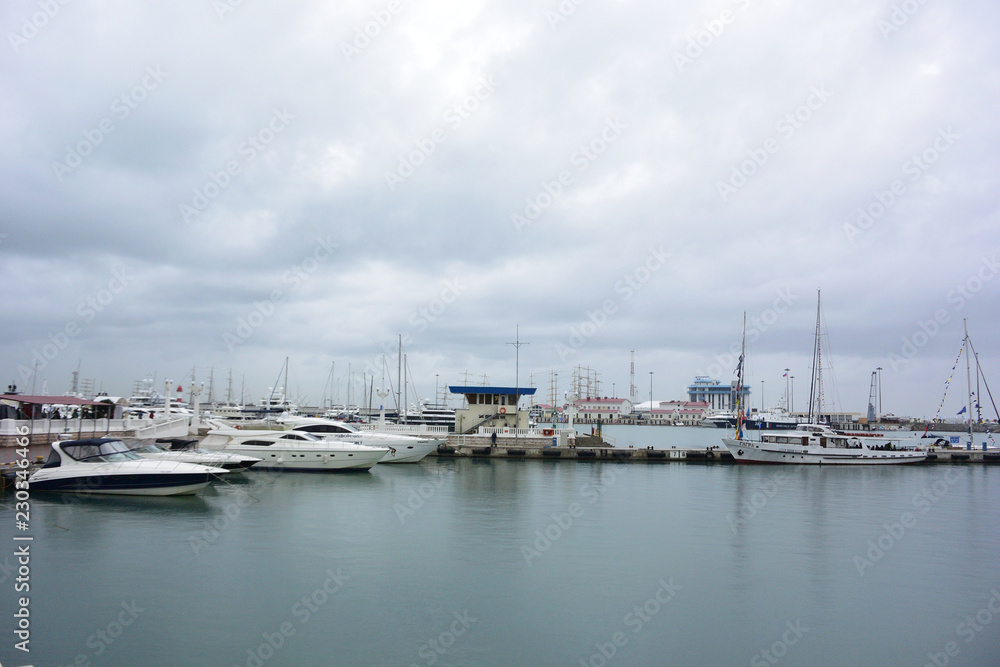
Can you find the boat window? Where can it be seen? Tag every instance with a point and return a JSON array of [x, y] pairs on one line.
[[258, 443], [114, 450], [323, 428], [54, 460], [293, 436]]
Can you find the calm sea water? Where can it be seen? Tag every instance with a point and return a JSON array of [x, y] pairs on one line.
[[471, 562]]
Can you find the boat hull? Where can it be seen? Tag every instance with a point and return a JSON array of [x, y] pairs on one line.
[[132, 484], [750, 451], [411, 452], [313, 459]]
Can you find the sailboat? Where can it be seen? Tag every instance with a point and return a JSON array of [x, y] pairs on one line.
[[812, 443], [974, 404]]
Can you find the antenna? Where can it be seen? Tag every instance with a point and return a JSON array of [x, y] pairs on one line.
[[517, 390]]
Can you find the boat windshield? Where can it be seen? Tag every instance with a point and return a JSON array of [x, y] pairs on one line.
[[148, 448], [326, 428], [93, 452]]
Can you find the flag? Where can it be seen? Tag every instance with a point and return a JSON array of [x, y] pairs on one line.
[[784, 375], [962, 410]]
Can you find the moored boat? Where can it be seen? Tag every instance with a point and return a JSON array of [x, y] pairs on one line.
[[820, 444], [402, 448], [106, 466], [810, 443], [287, 450]]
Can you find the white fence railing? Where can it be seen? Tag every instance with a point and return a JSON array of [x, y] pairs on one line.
[[92, 428]]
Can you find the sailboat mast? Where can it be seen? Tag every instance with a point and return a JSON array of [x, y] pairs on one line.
[[968, 376], [739, 382], [813, 394], [399, 379]]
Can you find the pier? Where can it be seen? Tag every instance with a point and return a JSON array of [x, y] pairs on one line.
[[584, 450]]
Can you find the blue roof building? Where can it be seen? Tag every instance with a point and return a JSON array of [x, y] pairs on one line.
[[490, 406]]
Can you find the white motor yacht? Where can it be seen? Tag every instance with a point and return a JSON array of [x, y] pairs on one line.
[[820, 444], [156, 451], [402, 448], [106, 466], [287, 450]]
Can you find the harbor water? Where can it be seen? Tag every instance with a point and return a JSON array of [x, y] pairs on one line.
[[502, 562]]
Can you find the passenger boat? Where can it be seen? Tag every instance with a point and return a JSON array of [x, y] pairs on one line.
[[820, 444], [812, 443], [107, 466]]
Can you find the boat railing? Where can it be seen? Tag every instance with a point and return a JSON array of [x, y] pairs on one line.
[[403, 429]]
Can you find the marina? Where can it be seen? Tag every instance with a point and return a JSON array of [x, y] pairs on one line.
[[463, 559]]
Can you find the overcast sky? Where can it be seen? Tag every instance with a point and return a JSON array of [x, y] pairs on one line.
[[224, 184]]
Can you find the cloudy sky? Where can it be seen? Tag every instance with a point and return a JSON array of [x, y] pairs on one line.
[[219, 185]]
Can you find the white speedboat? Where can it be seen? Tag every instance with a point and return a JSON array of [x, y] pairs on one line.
[[820, 444], [288, 450], [229, 461], [402, 448], [106, 466]]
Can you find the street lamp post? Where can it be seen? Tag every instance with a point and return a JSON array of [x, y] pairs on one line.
[[650, 397]]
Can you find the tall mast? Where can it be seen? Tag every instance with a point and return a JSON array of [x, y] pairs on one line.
[[739, 382], [399, 379], [814, 383], [968, 377]]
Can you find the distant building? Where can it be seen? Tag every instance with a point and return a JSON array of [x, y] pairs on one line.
[[490, 406], [605, 409], [720, 397]]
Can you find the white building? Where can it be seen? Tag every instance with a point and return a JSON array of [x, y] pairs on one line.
[[605, 409]]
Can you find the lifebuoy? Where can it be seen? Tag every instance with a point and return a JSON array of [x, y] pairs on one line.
[[709, 454], [238, 427], [503, 411], [547, 431]]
